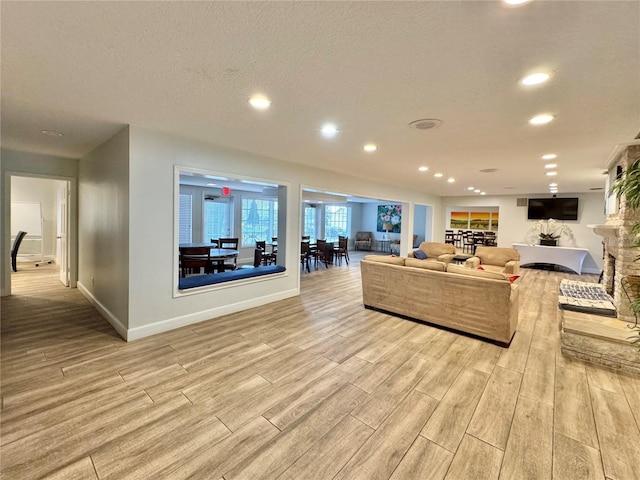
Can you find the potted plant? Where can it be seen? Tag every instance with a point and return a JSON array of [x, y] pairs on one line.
[[628, 186], [550, 231]]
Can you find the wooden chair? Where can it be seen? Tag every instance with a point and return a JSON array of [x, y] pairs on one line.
[[215, 242], [467, 242], [490, 239], [195, 257], [232, 244], [478, 239], [323, 253], [305, 256], [449, 238], [274, 245], [267, 258], [341, 251]]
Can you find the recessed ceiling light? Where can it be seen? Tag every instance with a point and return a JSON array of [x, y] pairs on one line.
[[551, 174], [438, 175], [423, 168], [515, 3], [550, 165], [535, 78], [260, 102], [53, 133], [451, 180], [370, 147], [483, 193], [549, 156], [329, 130], [477, 190], [541, 119], [553, 184], [470, 188]]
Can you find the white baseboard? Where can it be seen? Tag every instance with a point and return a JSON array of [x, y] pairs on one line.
[[197, 317], [105, 312]]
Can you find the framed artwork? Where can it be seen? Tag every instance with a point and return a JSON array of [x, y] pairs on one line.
[[480, 220], [459, 220], [494, 221], [389, 218]]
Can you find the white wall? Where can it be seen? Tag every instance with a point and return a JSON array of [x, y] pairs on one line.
[[31, 164], [153, 267], [43, 191], [515, 228], [104, 229]]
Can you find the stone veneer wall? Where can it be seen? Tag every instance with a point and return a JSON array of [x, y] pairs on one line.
[[621, 246]]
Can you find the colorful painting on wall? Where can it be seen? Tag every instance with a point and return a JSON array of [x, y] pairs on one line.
[[494, 221], [479, 220], [459, 220], [389, 218]]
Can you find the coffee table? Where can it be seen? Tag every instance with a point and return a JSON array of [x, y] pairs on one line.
[[460, 258]]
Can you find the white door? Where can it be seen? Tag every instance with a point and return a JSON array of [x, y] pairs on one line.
[[62, 244]]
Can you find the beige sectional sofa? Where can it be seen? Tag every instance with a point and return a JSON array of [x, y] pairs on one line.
[[466, 299]]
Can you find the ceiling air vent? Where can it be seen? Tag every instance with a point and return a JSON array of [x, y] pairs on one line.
[[211, 197], [426, 124], [488, 170], [595, 189], [521, 202]]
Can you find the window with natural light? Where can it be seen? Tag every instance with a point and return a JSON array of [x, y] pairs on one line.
[[185, 230], [337, 219], [259, 220], [310, 222]]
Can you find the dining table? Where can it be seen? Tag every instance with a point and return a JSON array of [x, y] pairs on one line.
[[217, 255]]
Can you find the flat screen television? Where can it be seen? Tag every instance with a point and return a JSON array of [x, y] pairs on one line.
[[556, 208]]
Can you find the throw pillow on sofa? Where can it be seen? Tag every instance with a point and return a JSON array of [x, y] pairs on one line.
[[419, 254]]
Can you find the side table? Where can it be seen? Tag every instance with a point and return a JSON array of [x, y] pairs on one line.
[[383, 245]]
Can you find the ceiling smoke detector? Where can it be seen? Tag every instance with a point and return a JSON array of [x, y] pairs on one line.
[[425, 124]]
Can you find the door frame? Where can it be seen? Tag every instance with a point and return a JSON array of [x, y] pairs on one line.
[[72, 226]]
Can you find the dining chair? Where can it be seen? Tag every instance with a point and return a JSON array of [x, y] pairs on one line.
[[274, 245], [341, 251], [467, 242], [305, 256], [448, 237], [322, 253], [478, 239], [195, 257], [231, 244], [215, 242], [490, 239], [267, 258]]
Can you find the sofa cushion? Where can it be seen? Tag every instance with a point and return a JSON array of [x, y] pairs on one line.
[[227, 276], [419, 254], [428, 264], [474, 272], [392, 259]]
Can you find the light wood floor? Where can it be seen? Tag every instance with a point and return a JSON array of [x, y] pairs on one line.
[[314, 387]]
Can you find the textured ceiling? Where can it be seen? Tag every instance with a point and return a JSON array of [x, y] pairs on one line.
[[87, 68]]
